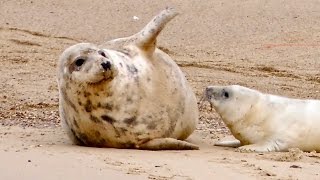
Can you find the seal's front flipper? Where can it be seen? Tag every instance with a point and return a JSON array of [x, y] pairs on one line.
[[228, 143], [167, 144]]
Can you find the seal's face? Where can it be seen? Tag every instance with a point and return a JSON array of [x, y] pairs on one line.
[[231, 102], [85, 63]]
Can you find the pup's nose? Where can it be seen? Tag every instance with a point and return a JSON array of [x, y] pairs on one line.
[[106, 65], [208, 92]]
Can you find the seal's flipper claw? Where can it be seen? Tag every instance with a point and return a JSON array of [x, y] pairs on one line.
[[228, 143], [167, 144]]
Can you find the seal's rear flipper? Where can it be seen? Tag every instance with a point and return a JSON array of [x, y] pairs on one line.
[[228, 143], [147, 37], [167, 144]]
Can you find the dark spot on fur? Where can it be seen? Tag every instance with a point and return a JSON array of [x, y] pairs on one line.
[[121, 65], [127, 145], [67, 100], [123, 130], [152, 125], [95, 119], [76, 139], [102, 143], [132, 69], [75, 123], [117, 108], [88, 106], [107, 106], [108, 119], [84, 138], [129, 99], [148, 79], [152, 30], [96, 94], [136, 79], [126, 52], [79, 102], [131, 121], [86, 94], [97, 134]]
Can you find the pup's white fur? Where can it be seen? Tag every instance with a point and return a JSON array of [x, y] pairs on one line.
[[264, 122]]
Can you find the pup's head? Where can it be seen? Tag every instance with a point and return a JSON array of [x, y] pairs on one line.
[[86, 63], [231, 102]]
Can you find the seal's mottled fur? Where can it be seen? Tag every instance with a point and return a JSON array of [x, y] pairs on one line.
[[126, 93]]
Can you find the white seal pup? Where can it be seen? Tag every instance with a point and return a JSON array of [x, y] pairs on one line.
[[126, 93], [265, 122]]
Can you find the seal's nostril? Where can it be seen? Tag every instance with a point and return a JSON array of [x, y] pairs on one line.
[[106, 65]]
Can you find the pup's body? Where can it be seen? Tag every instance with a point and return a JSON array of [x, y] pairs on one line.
[[264, 122]]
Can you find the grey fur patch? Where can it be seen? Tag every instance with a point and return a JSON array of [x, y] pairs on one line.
[[131, 121], [132, 69], [152, 125]]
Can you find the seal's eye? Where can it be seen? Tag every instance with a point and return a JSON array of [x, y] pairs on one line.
[[79, 62], [225, 94], [102, 53]]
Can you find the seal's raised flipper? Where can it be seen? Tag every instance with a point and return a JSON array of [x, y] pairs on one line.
[[146, 38], [167, 144], [228, 143]]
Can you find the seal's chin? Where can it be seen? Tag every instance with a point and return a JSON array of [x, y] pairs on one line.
[[102, 78]]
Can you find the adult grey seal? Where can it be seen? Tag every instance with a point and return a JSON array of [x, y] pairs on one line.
[[126, 93], [264, 122]]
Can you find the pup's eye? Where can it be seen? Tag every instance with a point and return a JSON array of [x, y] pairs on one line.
[[102, 53], [226, 94], [79, 62]]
